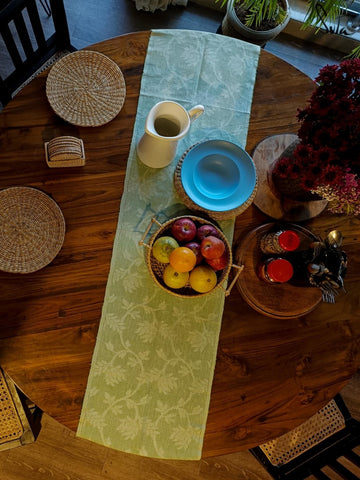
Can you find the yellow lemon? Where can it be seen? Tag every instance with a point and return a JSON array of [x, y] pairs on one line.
[[174, 279], [202, 279]]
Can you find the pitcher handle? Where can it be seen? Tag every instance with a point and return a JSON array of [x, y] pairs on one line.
[[195, 112]]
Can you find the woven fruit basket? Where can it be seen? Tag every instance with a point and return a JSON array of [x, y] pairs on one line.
[[156, 268]]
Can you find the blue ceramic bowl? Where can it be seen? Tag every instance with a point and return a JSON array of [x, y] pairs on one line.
[[218, 175]]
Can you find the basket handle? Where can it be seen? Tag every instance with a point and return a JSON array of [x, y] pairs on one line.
[[152, 221], [239, 268]]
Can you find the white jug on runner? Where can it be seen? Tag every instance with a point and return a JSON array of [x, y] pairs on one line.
[[166, 123]]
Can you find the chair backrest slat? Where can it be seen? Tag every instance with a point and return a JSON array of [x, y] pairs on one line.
[[60, 23], [353, 457], [320, 475], [342, 471], [10, 45], [23, 34], [36, 23]]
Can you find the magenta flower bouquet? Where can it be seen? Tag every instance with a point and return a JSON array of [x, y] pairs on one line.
[[326, 161]]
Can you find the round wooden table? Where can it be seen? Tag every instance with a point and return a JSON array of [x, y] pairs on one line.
[[271, 374]]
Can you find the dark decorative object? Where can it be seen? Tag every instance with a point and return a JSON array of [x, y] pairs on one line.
[[323, 265]]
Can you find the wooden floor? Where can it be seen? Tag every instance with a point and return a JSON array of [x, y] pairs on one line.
[[58, 454]]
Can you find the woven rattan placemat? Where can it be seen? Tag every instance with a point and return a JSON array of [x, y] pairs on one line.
[[222, 215], [86, 88], [32, 229]]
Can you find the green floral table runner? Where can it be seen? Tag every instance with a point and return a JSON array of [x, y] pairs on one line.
[[149, 385]]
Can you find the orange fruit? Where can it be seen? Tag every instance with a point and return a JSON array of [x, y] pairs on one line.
[[182, 259], [203, 279], [174, 279]]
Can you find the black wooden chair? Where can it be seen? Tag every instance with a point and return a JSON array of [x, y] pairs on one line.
[[322, 447], [30, 42]]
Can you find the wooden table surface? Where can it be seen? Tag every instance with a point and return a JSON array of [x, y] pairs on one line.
[[271, 374]]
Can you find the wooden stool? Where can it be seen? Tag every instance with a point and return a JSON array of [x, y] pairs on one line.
[[18, 426]]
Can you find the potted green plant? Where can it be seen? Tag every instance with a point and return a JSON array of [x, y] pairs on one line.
[[319, 12], [257, 21], [325, 16]]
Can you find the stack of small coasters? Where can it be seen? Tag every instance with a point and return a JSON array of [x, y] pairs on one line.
[[65, 151]]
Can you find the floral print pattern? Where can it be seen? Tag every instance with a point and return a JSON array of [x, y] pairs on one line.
[[149, 386]]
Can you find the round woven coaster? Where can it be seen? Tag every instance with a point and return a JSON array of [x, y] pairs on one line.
[[86, 88], [32, 229], [224, 215]]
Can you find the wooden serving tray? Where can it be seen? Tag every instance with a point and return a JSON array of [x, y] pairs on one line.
[[267, 198], [274, 300]]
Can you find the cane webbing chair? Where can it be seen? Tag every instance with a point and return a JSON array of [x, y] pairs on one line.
[[322, 447], [19, 424], [29, 42]]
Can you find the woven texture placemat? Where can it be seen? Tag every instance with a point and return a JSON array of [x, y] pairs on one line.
[[320, 426], [32, 229], [150, 381], [86, 88]]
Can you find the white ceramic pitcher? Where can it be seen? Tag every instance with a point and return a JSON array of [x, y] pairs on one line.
[[166, 123]]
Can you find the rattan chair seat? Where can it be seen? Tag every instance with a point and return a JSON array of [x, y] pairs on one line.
[[320, 426], [11, 427], [18, 425]]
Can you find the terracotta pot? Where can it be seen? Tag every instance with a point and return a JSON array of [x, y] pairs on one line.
[[290, 187]]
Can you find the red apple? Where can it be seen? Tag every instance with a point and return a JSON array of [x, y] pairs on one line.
[[218, 263], [183, 229], [205, 231], [195, 247], [212, 247]]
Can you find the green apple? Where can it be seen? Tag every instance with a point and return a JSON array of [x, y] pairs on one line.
[[162, 248]]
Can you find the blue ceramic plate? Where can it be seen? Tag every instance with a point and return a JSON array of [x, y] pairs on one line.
[[218, 175]]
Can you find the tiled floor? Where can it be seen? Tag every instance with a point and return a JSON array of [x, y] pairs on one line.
[[91, 21]]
